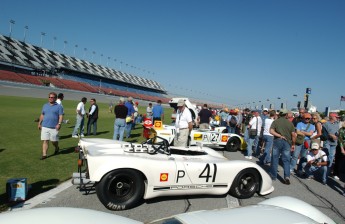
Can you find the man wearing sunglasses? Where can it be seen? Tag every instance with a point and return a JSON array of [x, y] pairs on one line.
[[50, 124], [306, 129], [316, 163]]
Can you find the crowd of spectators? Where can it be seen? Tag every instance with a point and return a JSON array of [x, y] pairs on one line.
[[308, 145]]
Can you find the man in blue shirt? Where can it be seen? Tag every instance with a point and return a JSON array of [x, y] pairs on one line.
[[157, 112], [50, 123], [130, 116]]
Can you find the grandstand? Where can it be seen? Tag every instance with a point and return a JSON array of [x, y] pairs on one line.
[[26, 63]]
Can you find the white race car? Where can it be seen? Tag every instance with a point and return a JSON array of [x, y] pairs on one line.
[[124, 173], [282, 210], [213, 138]]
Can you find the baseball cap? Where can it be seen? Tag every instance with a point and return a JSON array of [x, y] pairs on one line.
[[122, 99], [136, 102], [333, 115], [283, 111], [306, 115], [180, 103], [130, 98], [265, 109], [315, 146]]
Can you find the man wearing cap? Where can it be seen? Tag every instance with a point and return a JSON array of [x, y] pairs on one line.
[[120, 112], [183, 124], [332, 128], [316, 162], [283, 144], [306, 129], [157, 112], [130, 116]]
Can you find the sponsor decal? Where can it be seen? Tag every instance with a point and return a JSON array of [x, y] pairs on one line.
[[112, 206], [186, 187], [197, 137], [158, 125], [224, 138], [164, 177]]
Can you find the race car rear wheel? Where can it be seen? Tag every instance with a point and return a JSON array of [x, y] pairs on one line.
[[246, 184], [233, 144], [121, 189]]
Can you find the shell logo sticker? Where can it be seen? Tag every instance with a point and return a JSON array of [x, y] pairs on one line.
[[164, 177], [158, 125], [198, 136], [224, 138]]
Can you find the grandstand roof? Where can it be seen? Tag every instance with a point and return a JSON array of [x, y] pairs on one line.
[[23, 54]]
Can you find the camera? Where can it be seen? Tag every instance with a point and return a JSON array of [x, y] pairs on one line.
[[315, 162]]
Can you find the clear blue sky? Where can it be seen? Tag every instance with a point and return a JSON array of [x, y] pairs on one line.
[[224, 51]]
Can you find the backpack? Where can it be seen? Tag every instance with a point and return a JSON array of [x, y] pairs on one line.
[[233, 121], [324, 134]]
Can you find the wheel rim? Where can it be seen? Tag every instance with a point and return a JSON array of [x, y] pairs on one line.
[[122, 187], [233, 145], [247, 184]]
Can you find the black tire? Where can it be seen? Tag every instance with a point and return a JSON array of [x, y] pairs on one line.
[[233, 144], [120, 189], [246, 184]]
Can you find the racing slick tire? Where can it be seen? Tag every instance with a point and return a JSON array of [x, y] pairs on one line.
[[233, 145], [121, 189], [246, 184]]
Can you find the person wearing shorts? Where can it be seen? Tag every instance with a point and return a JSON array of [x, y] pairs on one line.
[[50, 123]]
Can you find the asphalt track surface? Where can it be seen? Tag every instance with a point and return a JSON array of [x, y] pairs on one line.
[[328, 199]]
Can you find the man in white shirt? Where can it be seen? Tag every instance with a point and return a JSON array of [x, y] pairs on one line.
[[59, 101], [254, 124], [183, 124], [316, 163], [80, 119]]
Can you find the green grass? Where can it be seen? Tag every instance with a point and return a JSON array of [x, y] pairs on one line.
[[21, 147]]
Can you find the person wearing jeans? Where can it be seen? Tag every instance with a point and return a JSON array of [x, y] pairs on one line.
[[267, 138], [255, 124], [306, 129], [330, 145], [120, 112], [284, 142], [79, 125], [316, 163]]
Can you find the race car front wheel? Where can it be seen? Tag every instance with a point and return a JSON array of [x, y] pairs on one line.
[[121, 189], [246, 184], [233, 144]]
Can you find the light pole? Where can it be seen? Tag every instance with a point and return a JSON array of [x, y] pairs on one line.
[[54, 39], [100, 59], [64, 45], [75, 47], [85, 49], [25, 30], [42, 34], [93, 53], [12, 22]]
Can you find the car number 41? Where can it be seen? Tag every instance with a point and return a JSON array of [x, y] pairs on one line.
[[206, 173]]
